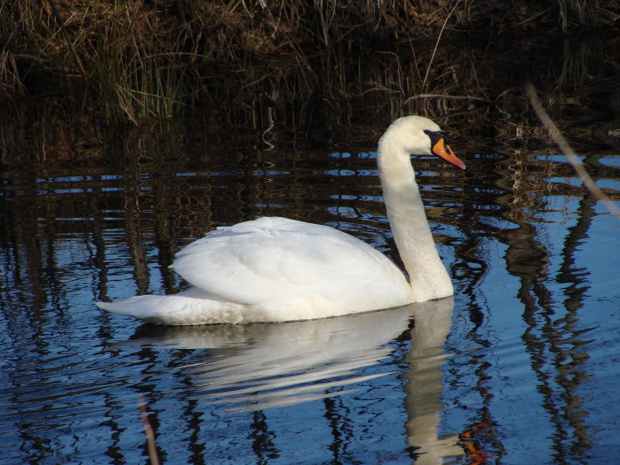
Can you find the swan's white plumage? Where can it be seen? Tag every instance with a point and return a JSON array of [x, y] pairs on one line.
[[276, 260], [276, 269]]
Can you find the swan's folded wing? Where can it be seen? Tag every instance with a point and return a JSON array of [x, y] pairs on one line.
[[273, 259]]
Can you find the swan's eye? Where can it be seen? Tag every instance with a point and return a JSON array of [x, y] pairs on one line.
[[436, 136]]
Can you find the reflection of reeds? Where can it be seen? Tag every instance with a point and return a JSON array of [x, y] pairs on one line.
[[569, 152], [255, 63]]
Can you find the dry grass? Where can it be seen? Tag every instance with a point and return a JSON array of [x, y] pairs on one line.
[[256, 63]]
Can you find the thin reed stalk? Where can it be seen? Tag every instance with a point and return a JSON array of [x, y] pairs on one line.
[[568, 152], [148, 432]]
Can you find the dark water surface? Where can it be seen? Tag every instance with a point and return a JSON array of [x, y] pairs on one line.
[[521, 366]]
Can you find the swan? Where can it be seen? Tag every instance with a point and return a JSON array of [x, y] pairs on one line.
[[275, 269]]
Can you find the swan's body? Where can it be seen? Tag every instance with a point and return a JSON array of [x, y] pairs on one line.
[[276, 269]]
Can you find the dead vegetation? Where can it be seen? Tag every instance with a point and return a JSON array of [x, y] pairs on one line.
[[255, 64]]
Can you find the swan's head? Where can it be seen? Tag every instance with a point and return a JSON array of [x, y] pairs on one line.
[[416, 135]]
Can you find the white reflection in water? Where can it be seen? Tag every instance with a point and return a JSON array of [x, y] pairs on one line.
[[260, 366], [425, 383]]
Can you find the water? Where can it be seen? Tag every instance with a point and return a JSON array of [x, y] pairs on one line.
[[520, 367]]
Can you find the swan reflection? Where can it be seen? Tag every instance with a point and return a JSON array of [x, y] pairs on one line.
[[424, 383], [260, 366]]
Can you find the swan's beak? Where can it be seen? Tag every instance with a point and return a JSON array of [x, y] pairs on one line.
[[441, 149]]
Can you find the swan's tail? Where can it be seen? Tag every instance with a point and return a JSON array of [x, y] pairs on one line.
[[186, 308]]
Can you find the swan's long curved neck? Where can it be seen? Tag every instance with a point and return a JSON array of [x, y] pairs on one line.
[[427, 275]]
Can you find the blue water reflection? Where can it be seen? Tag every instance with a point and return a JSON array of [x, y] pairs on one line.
[[520, 367]]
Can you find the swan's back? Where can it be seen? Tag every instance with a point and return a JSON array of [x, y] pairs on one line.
[[271, 260]]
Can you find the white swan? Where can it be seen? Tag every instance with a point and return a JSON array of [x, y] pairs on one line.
[[276, 269]]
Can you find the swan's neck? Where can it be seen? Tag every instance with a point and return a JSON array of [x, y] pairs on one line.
[[427, 275]]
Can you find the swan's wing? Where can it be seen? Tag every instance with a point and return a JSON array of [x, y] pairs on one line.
[[275, 259]]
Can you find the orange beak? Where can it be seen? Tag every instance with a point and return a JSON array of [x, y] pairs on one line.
[[444, 151]]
